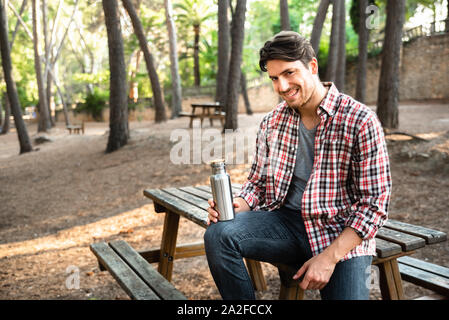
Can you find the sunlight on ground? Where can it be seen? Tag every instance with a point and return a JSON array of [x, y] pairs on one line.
[[120, 224]]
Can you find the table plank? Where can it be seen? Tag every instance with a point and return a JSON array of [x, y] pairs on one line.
[[179, 206], [386, 248], [188, 197], [235, 189], [406, 241], [430, 235], [199, 193]]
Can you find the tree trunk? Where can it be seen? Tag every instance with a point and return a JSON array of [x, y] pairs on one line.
[[44, 120], [332, 58], [318, 25], [160, 115], [447, 18], [237, 36], [174, 68], [22, 8], [388, 95], [22, 133], [223, 52], [1, 114], [118, 100], [285, 18], [49, 100], [5, 127], [46, 76], [341, 64], [360, 87], [196, 55], [245, 93]]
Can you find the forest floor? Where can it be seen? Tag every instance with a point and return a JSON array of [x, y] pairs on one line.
[[56, 201]]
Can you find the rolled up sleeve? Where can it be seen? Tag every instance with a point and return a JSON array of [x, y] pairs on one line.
[[253, 190], [372, 180]]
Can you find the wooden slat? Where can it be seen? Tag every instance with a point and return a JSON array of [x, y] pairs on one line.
[[199, 193], [135, 287], [182, 251], [187, 197], [425, 279], [164, 289], [386, 248], [430, 235], [425, 266], [208, 189], [406, 241], [187, 210], [204, 188]]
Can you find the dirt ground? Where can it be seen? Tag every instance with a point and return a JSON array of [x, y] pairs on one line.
[[56, 201]]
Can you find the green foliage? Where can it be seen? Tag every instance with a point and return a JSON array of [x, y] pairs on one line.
[[94, 103]]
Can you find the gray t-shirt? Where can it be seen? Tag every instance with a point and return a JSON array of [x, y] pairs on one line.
[[303, 167]]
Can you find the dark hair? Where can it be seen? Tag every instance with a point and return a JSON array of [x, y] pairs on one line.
[[287, 46]]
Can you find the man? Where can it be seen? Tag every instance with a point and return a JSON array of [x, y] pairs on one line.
[[318, 189]]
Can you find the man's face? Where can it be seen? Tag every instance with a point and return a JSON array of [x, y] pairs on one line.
[[293, 81]]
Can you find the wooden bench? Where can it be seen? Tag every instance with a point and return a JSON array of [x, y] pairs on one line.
[[425, 274], [394, 240], [133, 273], [76, 128]]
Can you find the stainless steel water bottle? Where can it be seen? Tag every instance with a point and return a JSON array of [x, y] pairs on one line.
[[221, 190]]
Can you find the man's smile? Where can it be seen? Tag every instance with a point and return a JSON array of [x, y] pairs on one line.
[[291, 94]]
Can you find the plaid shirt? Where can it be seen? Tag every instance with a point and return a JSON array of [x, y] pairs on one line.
[[350, 182]]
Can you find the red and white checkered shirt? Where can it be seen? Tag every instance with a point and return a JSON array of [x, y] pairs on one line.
[[350, 182]]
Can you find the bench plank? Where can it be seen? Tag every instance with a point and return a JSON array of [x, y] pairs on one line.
[[164, 289], [430, 235], [425, 279], [135, 287], [406, 241], [386, 248], [179, 206], [425, 266]]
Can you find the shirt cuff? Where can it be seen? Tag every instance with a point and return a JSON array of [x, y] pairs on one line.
[[249, 198], [362, 226]]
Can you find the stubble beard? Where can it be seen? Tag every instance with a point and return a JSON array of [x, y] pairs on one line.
[[298, 106]]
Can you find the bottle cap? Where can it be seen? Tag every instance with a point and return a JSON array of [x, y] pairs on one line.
[[217, 163]]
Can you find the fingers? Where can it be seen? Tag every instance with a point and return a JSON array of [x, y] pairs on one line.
[[212, 214], [310, 281], [300, 272]]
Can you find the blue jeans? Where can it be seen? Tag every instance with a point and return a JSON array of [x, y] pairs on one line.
[[277, 236]]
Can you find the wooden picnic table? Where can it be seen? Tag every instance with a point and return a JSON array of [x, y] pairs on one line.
[[394, 240], [211, 110]]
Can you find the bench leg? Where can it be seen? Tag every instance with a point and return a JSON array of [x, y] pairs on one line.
[[390, 280], [290, 289], [291, 293], [168, 244], [256, 274]]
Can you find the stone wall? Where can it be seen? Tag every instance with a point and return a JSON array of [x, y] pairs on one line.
[[424, 74], [424, 71]]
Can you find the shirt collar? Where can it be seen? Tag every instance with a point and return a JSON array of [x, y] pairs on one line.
[[329, 103]]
